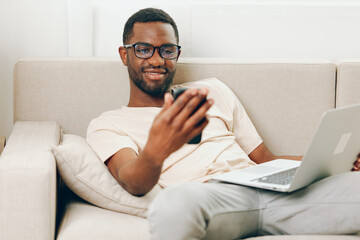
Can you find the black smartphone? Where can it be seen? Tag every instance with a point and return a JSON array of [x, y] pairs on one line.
[[176, 93]]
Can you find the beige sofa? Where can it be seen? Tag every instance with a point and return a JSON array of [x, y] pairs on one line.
[[285, 100]]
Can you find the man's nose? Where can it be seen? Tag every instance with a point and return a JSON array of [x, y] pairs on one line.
[[156, 59]]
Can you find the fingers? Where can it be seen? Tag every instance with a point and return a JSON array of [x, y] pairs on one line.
[[185, 116], [184, 105], [168, 100], [179, 104], [357, 164], [198, 116], [192, 106], [197, 129]]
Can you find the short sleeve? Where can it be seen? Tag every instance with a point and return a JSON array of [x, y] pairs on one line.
[[105, 139], [242, 127]]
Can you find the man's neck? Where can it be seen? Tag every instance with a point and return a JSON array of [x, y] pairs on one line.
[[146, 102], [139, 98]]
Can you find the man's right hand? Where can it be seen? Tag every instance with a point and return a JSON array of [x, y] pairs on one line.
[[174, 126], [177, 123], [356, 167]]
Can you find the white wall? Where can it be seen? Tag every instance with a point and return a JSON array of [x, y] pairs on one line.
[[27, 28], [265, 29], [279, 29], [285, 30]]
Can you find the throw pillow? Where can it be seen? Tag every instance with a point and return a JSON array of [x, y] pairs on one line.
[[85, 174]]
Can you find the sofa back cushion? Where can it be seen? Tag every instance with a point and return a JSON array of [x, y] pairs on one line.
[[284, 100], [68, 91], [348, 83]]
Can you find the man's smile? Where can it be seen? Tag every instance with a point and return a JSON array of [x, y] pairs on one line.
[[154, 73]]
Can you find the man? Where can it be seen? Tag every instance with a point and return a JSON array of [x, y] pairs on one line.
[[144, 144]]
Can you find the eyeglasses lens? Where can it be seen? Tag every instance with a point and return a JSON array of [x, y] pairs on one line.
[[143, 51], [166, 51], [169, 51]]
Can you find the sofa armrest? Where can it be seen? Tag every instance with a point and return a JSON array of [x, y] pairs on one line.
[[28, 182]]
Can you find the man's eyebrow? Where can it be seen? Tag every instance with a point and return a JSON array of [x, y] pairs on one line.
[[153, 45], [137, 43]]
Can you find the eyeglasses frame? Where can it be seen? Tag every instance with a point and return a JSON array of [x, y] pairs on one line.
[[134, 45]]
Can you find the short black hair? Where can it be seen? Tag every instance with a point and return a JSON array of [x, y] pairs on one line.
[[148, 15]]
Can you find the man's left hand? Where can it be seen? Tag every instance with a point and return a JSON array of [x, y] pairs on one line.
[[356, 167]]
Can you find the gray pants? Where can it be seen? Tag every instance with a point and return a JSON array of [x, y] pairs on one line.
[[226, 211]]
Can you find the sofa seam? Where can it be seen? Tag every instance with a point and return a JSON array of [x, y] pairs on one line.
[[338, 85]]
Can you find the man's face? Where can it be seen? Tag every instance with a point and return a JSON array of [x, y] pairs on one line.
[[153, 75]]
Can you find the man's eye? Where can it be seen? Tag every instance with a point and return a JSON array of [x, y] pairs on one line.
[[168, 51], [143, 50]]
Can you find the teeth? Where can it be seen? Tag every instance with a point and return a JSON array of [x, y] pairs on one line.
[[152, 73]]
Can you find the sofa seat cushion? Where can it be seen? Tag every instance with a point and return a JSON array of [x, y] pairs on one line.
[[85, 221], [82, 220], [306, 237]]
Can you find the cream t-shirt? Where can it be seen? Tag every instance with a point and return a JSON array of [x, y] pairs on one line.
[[226, 141]]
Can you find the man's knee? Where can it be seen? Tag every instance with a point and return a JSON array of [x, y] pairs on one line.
[[177, 210], [176, 201]]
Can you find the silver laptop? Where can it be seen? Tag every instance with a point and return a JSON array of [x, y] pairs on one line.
[[333, 149]]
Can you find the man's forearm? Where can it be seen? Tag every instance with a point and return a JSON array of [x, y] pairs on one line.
[[140, 175], [262, 154], [274, 157]]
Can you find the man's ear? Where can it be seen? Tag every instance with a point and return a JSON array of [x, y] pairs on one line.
[[123, 55]]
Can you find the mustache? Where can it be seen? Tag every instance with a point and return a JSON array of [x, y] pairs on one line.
[[152, 67]]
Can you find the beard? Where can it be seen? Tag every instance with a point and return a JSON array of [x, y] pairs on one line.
[[154, 89]]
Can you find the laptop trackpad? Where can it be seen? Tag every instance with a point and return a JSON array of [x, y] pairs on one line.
[[260, 170]]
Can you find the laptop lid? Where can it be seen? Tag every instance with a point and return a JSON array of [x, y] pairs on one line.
[[333, 149]]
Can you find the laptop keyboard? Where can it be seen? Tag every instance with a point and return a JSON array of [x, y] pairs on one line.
[[281, 178]]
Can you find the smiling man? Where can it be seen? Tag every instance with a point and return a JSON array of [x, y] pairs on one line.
[[150, 75], [144, 144]]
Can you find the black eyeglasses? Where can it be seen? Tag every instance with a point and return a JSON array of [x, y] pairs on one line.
[[145, 50]]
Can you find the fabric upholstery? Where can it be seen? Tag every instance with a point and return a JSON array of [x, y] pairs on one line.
[[348, 83], [85, 174], [307, 237], [285, 100], [279, 96], [85, 221], [2, 143], [28, 182], [76, 90]]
